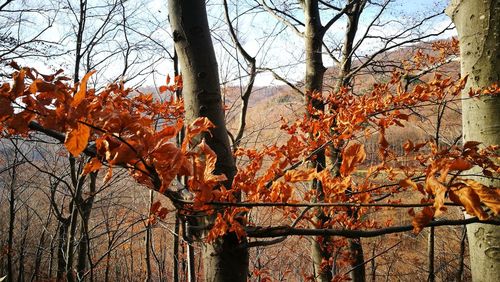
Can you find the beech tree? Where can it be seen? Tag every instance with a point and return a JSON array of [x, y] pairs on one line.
[[478, 27], [223, 259]]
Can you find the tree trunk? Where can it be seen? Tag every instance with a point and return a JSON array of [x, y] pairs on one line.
[[12, 219], [61, 248], [478, 26], [315, 69], [86, 210], [224, 260], [313, 39], [22, 246], [353, 15], [148, 242], [40, 249]]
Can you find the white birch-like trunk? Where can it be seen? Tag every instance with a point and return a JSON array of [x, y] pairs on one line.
[[478, 26]]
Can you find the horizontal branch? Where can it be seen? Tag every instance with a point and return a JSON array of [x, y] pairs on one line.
[[279, 231], [91, 151], [339, 204], [59, 136]]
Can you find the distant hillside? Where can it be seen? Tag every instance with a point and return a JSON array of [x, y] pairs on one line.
[[268, 104]]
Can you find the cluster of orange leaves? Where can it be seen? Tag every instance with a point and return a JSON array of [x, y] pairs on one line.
[[267, 176], [121, 127], [438, 52], [134, 130]]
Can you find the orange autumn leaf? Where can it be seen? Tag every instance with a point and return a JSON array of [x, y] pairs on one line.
[[122, 154], [219, 228], [108, 175], [201, 124], [6, 109], [438, 190], [155, 207], [408, 146], [460, 164], [410, 183], [489, 196], [293, 176], [18, 87], [351, 157], [466, 197], [94, 165], [198, 126], [77, 139], [80, 95], [383, 146], [178, 81], [210, 161], [471, 144], [41, 86], [163, 88], [19, 122], [163, 213], [422, 218]]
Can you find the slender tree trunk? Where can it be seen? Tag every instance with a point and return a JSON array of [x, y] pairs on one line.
[[61, 248], [478, 26], [79, 39], [315, 70], [86, 210], [12, 219], [430, 255], [22, 247], [175, 261], [224, 259], [71, 232], [39, 249], [53, 246], [461, 257], [353, 16], [148, 242], [191, 271]]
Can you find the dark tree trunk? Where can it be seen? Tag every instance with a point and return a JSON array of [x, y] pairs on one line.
[[224, 259]]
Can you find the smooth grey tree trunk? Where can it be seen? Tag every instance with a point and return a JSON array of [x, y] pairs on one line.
[[225, 259], [478, 26]]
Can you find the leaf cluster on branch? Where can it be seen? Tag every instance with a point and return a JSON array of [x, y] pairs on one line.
[[122, 127]]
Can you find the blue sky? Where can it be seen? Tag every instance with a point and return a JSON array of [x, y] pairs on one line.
[[275, 46]]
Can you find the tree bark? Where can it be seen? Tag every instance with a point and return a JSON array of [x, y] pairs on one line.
[[61, 248], [84, 245], [353, 16], [478, 26], [224, 259], [12, 220], [313, 39]]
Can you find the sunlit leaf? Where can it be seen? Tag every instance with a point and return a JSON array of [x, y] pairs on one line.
[[351, 157], [300, 175], [77, 139], [466, 197], [94, 165], [82, 91], [108, 175], [422, 218], [163, 88], [460, 164]]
